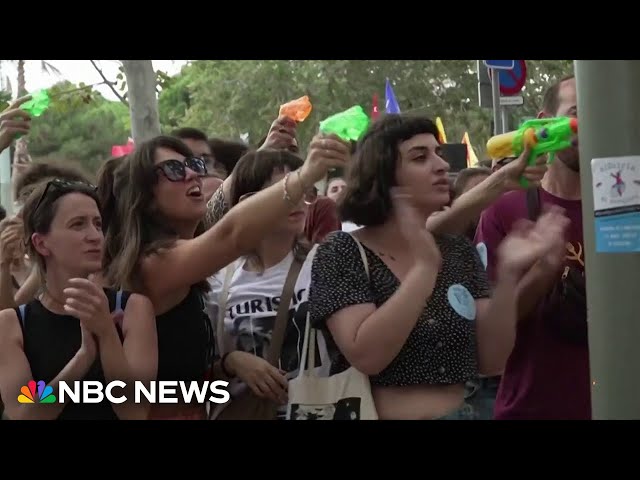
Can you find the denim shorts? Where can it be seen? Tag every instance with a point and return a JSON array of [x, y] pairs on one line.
[[479, 400]]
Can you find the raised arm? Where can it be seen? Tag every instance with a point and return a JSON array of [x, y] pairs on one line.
[[468, 207], [16, 372], [10, 239], [6, 284], [13, 121], [281, 135], [240, 230], [29, 288], [525, 246]]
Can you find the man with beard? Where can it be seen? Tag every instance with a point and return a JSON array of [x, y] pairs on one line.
[[547, 373]]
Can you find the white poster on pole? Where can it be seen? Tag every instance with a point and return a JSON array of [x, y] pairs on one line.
[[616, 201]]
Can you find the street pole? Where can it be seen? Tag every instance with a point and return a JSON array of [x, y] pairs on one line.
[[505, 119], [495, 83], [609, 112]]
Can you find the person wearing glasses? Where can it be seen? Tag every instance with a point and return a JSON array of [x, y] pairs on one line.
[[74, 330], [165, 252], [247, 305]]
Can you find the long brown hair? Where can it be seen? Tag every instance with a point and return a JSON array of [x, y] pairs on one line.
[[140, 229], [112, 178], [253, 171]]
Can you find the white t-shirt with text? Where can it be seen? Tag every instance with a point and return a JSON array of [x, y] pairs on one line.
[[251, 309]]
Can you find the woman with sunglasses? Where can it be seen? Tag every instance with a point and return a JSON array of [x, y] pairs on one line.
[[69, 333], [166, 254], [243, 300]]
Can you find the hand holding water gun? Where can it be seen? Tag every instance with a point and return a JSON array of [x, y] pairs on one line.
[[297, 110], [539, 136], [349, 125], [14, 121], [282, 134]]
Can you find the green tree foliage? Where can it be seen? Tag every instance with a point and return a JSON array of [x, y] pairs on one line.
[[80, 126], [228, 98]]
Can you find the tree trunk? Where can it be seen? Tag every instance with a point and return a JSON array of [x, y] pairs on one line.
[[143, 103], [21, 153], [22, 83]]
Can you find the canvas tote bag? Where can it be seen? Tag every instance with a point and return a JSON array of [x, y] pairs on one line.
[[344, 396]]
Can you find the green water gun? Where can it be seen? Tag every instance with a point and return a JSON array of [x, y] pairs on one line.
[[543, 135], [37, 105], [349, 125]]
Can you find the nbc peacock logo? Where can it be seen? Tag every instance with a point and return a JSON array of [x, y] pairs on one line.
[[44, 393]]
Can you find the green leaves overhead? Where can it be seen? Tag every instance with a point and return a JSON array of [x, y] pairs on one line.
[[227, 98]]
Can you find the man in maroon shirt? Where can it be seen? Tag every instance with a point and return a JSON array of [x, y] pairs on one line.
[[547, 374]]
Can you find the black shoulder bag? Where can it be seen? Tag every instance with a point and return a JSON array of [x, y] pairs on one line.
[[568, 298]]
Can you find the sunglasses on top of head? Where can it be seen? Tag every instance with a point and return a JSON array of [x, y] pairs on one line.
[[58, 187], [176, 170]]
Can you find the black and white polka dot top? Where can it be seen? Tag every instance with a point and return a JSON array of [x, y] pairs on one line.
[[441, 348]]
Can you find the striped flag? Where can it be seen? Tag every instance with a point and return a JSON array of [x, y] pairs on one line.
[[472, 160], [442, 137]]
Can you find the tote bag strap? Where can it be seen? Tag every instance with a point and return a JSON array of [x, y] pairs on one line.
[[363, 254], [304, 355], [229, 271], [308, 354], [282, 317]]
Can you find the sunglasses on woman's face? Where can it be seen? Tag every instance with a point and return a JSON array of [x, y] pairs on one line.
[[176, 170]]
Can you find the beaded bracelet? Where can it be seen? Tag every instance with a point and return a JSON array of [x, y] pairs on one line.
[[286, 195]]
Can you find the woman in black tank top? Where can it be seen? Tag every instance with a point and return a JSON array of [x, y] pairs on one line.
[[75, 330], [159, 247]]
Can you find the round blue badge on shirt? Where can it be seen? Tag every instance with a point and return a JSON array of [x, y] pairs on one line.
[[484, 256], [462, 301]]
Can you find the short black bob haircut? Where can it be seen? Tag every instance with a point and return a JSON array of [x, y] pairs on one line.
[[366, 200]]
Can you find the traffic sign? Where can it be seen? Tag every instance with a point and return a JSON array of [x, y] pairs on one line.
[[512, 81], [500, 64], [511, 101]]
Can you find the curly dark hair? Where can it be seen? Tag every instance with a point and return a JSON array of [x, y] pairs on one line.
[[366, 199]]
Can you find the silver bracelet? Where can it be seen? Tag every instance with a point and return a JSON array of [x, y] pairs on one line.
[[286, 195]]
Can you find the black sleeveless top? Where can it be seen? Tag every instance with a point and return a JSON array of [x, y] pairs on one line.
[[185, 340], [51, 341]]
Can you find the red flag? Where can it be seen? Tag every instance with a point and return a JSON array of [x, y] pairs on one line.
[[122, 150], [375, 113]]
